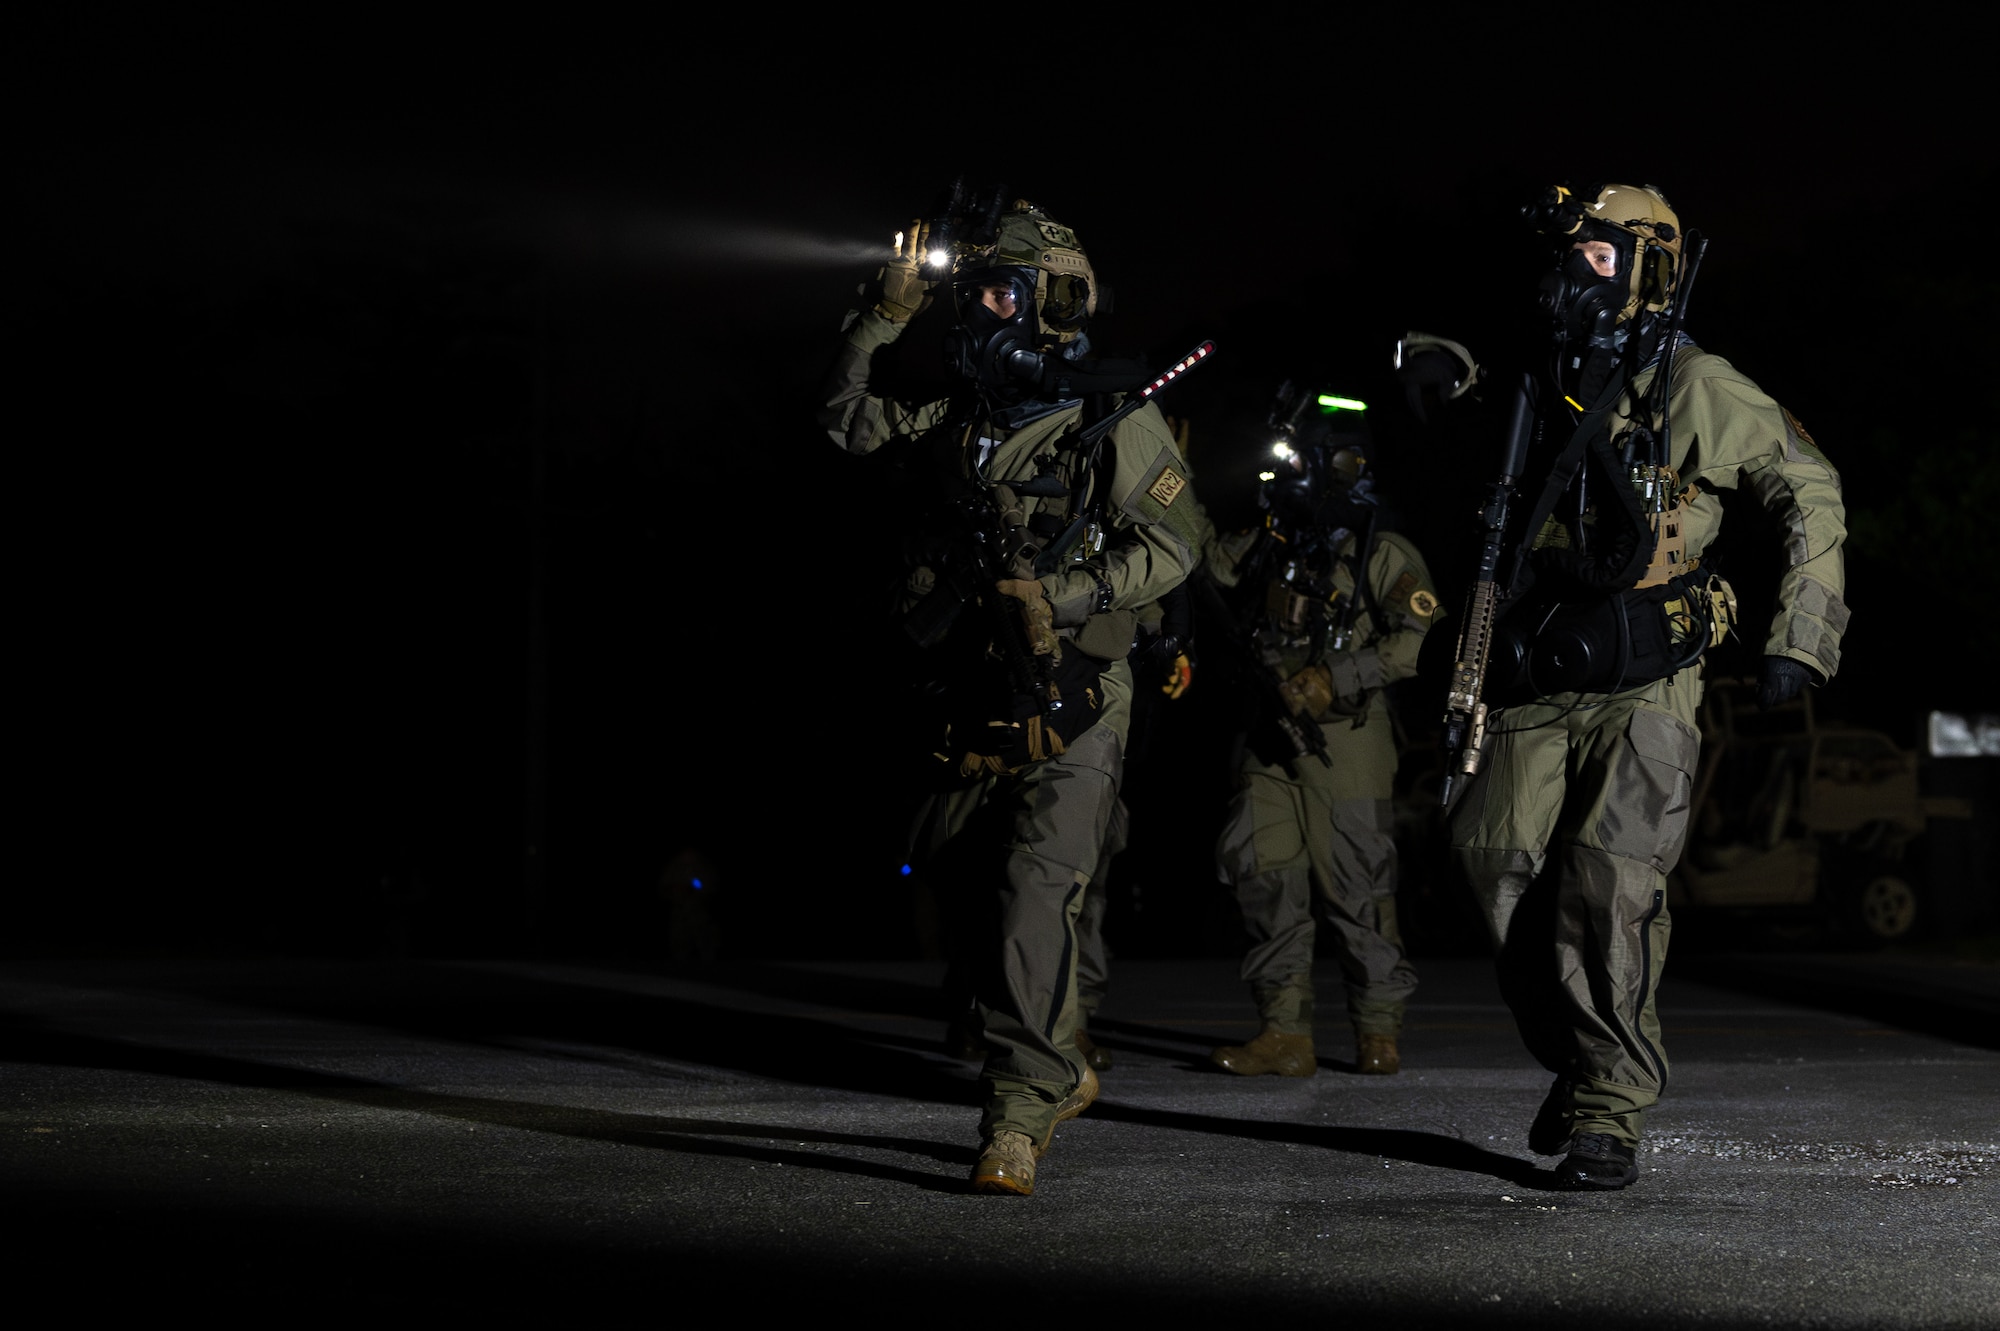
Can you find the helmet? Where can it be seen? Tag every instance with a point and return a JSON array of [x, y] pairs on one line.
[[1031, 290], [1065, 287], [1320, 463], [1636, 220]]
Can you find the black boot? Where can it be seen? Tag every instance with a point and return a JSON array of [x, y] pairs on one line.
[[1597, 1162]]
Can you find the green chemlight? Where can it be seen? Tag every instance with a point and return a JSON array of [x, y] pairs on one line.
[[1332, 403]]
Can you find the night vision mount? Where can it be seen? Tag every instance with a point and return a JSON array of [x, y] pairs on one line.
[[1558, 210], [963, 222]]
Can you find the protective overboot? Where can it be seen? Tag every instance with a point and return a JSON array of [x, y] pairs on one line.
[[1597, 1162], [1375, 1055], [1006, 1165], [1273, 1051], [1094, 1054], [1550, 1133]]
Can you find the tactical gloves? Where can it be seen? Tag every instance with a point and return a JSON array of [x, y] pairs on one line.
[[1169, 659], [1780, 682], [1308, 693], [1038, 617], [1344, 677], [902, 292]]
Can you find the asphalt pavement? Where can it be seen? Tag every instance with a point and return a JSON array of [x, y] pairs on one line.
[[607, 1145]]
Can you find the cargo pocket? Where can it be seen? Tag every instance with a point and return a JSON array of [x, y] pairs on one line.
[[1646, 811]]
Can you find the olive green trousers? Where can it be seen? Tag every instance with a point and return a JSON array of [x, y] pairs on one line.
[[1320, 842], [1016, 852], [1566, 834]]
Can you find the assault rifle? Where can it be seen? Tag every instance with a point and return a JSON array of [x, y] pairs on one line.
[[1274, 734], [994, 544], [1465, 708]]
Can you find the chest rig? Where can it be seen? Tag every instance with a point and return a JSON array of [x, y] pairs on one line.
[[1315, 597], [1605, 595], [1000, 701]]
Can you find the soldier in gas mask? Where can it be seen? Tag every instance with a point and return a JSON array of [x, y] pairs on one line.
[[1051, 511], [1332, 606], [1575, 805]]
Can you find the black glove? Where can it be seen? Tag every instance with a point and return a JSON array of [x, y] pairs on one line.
[[1781, 681]]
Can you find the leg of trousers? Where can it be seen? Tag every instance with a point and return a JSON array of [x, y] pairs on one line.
[[1320, 843], [1019, 851], [1566, 836], [1093, 957]]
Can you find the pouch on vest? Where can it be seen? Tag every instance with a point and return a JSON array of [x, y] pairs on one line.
[[1593, 644], [995, 731]]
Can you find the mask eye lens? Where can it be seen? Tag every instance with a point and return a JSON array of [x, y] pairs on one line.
[[1001, 293], [1601, 256]]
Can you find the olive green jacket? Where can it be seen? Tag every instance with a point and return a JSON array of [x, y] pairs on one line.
[[1381, 653], [1728, 434], [1153, 523]]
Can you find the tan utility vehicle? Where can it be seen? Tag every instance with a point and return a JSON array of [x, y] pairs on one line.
[[1795, 817]]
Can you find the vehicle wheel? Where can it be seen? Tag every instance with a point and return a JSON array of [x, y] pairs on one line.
[[1883, 907]]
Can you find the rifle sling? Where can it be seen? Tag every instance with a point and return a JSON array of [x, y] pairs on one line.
[[1567, 464]]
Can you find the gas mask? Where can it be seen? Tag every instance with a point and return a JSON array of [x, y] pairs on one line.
[[1318, 487], [994, 343], [1644, 232], [1022, 303], [1583, 305]]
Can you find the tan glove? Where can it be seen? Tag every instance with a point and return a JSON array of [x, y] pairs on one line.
[[1308, 693], [1038, 617], [903, 290]]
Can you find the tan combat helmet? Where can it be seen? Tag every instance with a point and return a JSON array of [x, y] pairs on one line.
[[1065, 285], [1640, 212]]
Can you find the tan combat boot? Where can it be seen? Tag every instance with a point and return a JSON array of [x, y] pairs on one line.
[[1006, 1165], [1376, 1055], [1078, 1100], [1273, 1051]]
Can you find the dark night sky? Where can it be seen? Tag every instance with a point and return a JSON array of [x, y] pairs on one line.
[[306, 302]]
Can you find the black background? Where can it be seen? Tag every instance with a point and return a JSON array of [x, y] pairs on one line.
[[415, 453]]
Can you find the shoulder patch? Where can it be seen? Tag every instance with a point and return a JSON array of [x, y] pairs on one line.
[[1404, 586], [1422, 604], [1797, 428], [1799, 444], [1167, 488]]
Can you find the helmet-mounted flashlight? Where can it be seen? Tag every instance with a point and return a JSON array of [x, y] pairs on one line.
[[963, 222]]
